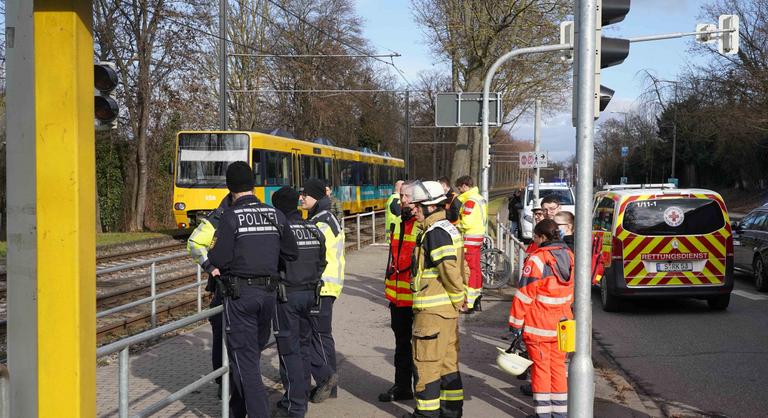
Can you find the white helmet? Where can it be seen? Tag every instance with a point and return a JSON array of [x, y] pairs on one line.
[[428, 193], [512, 363]]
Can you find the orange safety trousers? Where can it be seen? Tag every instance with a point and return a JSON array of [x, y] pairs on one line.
[[549, 381]]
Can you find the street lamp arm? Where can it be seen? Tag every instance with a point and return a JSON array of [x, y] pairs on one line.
[[484, 163]]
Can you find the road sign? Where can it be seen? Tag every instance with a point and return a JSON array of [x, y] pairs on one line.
[[533, 160], [623, 180], [457, 109], [624, 151], [674, 181]]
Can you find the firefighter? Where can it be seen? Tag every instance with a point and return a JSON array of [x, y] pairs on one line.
[[323, 354], [438, 295], [473, 220], [392, 211], [398, 293], [198, 245], [250, 240], [452, 205], [543, 299], [298, 295]]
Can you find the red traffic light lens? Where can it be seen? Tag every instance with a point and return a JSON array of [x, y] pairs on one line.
[[105, 109], [104, 77]]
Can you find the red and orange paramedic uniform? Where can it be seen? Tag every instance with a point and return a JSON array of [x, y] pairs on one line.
[[543, 299], [400, 297], [473, 220]]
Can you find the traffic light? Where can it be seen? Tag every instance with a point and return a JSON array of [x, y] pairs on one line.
[[610, 51], [106, 109]]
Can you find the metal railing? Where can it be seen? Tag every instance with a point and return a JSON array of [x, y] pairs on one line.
[[124, 345], [358, 217], [512, 247]]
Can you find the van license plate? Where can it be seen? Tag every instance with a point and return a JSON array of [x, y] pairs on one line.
[[677, 266]]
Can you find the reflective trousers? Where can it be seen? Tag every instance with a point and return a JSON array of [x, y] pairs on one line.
[[475, 285], [293, 333], [548, 379], [402, 326], [247, 324], [439, 391], [323, 352]]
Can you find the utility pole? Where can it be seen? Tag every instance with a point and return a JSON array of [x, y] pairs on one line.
[[407, 134], [536, 142], [581, 375], [674, 134], [223, 65]]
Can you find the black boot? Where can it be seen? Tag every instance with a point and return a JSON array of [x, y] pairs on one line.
[[396, 393], [478, 307]]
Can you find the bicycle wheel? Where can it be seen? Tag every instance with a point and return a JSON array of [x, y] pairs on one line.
[[487, 243], [495, 267]]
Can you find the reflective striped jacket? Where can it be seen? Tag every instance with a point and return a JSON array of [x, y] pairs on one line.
[[398, 281], [392, 213], [333, 275], [438, 271], [201, 239], [473, 217], [545, 294]]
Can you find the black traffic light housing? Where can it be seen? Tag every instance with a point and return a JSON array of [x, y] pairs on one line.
[[610, 51], [106, 109]]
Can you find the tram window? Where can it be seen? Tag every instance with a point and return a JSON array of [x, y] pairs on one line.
[[358, 170], [345, 173], [325, 164], [258, 168], [278, 168], [366, 174]]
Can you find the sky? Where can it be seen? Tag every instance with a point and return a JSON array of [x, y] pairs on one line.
[[389, 25]]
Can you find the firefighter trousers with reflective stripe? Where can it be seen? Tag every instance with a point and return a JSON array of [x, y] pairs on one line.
[[323, 353], [247, 324], [293, 333], [548, 379], [475, 285], [402, 326], [439, 391]]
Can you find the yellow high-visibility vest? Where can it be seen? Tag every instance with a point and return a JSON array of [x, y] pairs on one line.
[[333, 275]]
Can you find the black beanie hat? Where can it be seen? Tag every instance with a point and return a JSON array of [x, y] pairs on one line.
[[314, 188], [286, 200], [239, 177]]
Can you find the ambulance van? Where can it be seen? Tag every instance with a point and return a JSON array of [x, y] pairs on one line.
[[658, 242]]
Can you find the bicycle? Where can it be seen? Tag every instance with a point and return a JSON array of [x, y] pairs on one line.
[[494, 265]]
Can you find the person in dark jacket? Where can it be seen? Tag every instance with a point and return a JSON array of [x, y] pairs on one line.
[[564, 221], [513, 207], [452, 204], [298, 295], [251, 238]]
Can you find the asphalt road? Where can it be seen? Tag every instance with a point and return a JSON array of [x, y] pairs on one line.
[[691, 360]]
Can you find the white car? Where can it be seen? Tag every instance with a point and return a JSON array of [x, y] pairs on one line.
[[563, 193]]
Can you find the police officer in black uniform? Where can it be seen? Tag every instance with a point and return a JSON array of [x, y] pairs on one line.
[[298, 296], [251, 238]]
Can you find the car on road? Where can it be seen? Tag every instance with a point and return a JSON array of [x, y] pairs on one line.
[[560, 190], [663, 242], [750, 246]]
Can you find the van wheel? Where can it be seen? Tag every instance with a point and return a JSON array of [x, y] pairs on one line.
[[719, 303], [611, 303], [761, 281]]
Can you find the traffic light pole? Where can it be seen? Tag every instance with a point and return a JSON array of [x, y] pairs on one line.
[[536, 145], [223, 65], [581, 384], [484, 168]]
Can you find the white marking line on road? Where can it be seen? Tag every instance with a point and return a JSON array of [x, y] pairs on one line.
[[749, 295]]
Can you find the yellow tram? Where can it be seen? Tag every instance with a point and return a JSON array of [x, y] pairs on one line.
[[360, 180]]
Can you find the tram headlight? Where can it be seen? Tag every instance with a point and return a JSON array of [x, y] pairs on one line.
[[179, 206]]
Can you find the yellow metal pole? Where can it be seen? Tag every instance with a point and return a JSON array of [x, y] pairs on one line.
[[65, 172]]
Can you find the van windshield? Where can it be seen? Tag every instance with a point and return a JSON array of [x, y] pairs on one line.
[[563, 195], [673, 217]]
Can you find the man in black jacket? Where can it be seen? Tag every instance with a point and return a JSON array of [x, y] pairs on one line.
[[298, 295], [251, 238], [514, 206]]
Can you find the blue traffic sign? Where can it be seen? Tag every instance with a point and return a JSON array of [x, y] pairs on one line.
[[624, 151]]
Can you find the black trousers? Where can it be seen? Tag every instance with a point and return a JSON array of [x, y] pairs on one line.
[[323, 352], [293, 333], [216, 327], [247, 324], [402, 326]]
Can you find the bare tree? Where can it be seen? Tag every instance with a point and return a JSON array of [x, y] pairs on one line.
[[471, 35]]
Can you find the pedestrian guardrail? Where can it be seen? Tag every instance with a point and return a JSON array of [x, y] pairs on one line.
[[358, 217], [123, 346], [511, 246]]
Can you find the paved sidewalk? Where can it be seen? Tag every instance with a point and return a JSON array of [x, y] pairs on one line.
[[365, 346]]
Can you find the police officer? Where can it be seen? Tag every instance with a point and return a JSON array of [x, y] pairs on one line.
[[198, 245], [297, 296], [398, 293], [323, 354], [250, 240], [438, 296]]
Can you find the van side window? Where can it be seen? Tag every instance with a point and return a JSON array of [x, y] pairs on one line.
[[603, 218]]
